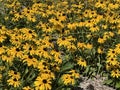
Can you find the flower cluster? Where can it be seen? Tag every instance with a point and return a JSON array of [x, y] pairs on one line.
[[113, 61], [48, 44]]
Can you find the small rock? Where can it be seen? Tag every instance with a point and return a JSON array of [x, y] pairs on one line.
[[90, 87]]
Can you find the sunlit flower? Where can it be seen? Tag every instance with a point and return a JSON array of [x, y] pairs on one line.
[[115, 73], [42, 83], [14, 82], [68, 79], [81, 62]]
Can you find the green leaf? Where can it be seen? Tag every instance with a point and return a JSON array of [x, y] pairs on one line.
[[67, 66], [87, 70], [66, 89], [26, 70], [117, 85], [108, 81], [60, 81]]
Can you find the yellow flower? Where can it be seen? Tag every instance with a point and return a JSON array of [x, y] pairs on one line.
[[115, 73], [118, 32], [27, 88], [2, 38], [2, 68], [87, 13], [113, 6], [117, 48], [42, 51], [75, 74], [71, 47], [111, 34], [47, 74], [2, 49], [81, 62], [14, 82], [100, 50], [68, 79], [62, 17], [63, 42], [89, 46], [112, 53], [28, 34], [100, 4], [81, 45], [101, 40], [104, 26], [7, 58], [108, 66], [30, 60], [42, 65], [94, 28], [42, 83], [112, 61], [0, 77], [89, 23], [15, 51], [71, 26], [14, 74], [55, 67]]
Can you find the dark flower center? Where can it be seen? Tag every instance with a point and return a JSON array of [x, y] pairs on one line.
[[0, 45], [101, 2], [46, 72], [44, 68], [113, 51], [15, 72], [30, 57], [55, 65], [45, 49], [16, 39], [30, 31], [111, 59], [17, 49], [71, 77], [30, 48], [44, 63], [63, 38], [44, 81], [14, 79]]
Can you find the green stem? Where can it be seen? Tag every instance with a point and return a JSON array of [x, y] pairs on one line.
[[59, 88]]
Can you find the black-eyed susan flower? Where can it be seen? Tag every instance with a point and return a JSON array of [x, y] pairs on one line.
[[30, 60], [101, 40], [14, 74], [74, 73], [89, 46], [68, 79], [7, 58], [115, 73], [0, 77], [112, 61], [100, 50], [117, 48], [47, 74], [111, 53], [42, 65], [81, 62], [42, 83], [27, 88], [14, 82]]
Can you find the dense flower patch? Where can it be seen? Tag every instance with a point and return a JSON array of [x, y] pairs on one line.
[[49, 44]]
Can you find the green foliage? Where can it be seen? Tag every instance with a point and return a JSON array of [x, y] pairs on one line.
[[49, 44]]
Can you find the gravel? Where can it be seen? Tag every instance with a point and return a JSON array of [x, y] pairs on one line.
[[93, 84]]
